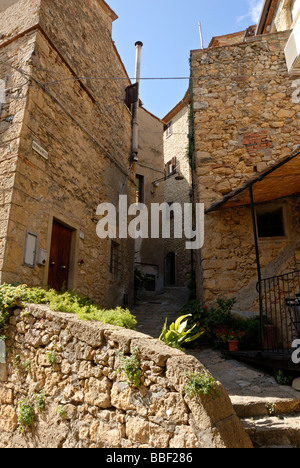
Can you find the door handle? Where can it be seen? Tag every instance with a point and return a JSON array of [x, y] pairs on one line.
[[52, 263], [63, 267]]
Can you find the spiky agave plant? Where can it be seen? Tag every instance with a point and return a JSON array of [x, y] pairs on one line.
[[178, 335]]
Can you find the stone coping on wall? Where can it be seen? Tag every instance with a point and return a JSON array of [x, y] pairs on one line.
[[90, 404]]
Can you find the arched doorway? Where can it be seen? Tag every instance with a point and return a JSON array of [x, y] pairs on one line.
[[171, 269]]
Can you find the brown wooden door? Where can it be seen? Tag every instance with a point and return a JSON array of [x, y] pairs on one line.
[[60, 253]]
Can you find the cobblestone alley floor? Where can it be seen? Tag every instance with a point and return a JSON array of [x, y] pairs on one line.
[[241, 380]]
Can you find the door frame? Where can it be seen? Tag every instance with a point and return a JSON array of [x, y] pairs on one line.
[[75, 228]]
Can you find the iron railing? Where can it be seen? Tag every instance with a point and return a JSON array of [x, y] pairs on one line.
[[280, 311]]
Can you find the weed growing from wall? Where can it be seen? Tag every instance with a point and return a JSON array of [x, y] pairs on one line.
[[130, 367]]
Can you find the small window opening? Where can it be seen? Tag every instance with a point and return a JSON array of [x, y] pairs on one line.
[[140, 189], [115, 258], [270, 223]]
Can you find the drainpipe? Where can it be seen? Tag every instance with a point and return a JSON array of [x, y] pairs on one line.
[[135, 110], [135, 120]]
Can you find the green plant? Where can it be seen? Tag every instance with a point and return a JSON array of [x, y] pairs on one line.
[[26, 415], [140, 279], [39, 399], [51, 357], [284, 379], [198, 315], [203, 384], [16, 361], [21, 366], [15, 296], [61, 411], [220, 315], [230, 335], [26, 365], [130, 367], [178, 334], [271, 408]]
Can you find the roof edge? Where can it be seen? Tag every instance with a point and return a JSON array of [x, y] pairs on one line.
[[108, 10], [177, 108], [252, 181]]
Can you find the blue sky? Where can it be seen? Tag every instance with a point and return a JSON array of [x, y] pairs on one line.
[[169, 30]]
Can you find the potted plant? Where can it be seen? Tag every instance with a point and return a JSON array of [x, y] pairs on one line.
[[234, 338], [231, 337]]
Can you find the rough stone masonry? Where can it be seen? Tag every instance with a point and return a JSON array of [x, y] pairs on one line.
[[87, 403], [246, 119]]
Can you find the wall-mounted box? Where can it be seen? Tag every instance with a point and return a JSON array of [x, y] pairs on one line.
[[42, 257]]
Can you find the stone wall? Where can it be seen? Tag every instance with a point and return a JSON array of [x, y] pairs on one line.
[[85, 128], [12, 109], [89, 404], [246, 119]]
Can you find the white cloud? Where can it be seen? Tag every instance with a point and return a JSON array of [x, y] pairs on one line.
[[254, 10]]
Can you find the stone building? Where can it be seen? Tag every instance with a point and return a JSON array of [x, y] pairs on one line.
[[246, 132], [65, 148], [149, 253], [176, 157], [278, 15]]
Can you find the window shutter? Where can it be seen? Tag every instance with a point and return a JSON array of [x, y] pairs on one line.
[[174, 164]]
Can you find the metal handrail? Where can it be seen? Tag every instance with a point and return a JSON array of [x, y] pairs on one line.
[[280, 310]]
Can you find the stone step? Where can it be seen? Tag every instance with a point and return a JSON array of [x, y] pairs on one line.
[[274, 431], [250, 406]]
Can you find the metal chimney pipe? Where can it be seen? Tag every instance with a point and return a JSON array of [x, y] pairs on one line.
[[135, 120]]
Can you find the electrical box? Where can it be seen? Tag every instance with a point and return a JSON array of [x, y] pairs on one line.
[[42, 257]]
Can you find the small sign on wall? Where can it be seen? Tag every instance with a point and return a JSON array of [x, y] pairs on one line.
[[30, 249], [2, 352], [40, 150]]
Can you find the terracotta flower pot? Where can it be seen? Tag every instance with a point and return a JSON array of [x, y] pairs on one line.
[[233, 345]]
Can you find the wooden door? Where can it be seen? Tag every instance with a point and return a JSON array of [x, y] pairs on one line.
[[60, 253]]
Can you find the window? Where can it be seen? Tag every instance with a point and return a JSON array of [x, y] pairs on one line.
[[114, 258], [171, 167], [169, 130], [140, 188], [270, 222]]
